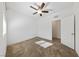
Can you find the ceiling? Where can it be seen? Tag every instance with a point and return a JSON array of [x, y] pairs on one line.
[[23, 7]]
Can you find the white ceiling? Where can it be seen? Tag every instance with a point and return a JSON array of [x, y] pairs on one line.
[[1, 7], [23, 7]]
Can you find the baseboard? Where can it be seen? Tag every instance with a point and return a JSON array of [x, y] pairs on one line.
[[43, 38], [56, 38], [21, 41], [29, 39]]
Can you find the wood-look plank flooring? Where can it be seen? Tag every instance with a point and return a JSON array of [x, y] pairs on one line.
[[28, 48]]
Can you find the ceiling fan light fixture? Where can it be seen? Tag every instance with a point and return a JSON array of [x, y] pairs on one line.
[[39, 11]]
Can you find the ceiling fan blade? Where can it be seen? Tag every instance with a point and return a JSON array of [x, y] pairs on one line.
[[42, 5], [40, 14], [35, 13], [45, 11], [46, 4], [33, 7]]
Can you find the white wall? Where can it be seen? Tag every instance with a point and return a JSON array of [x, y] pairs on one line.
[[2, 40], [1, 17], [45, 23], [45, 27], [76, 12], [20, 27]]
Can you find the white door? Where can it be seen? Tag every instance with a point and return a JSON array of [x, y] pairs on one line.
[[3, 44], [67, 31]]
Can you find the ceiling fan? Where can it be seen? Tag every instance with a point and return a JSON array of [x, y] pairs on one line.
[[40, 10]]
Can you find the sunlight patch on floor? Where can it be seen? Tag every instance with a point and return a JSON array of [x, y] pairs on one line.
[[44, 44]]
